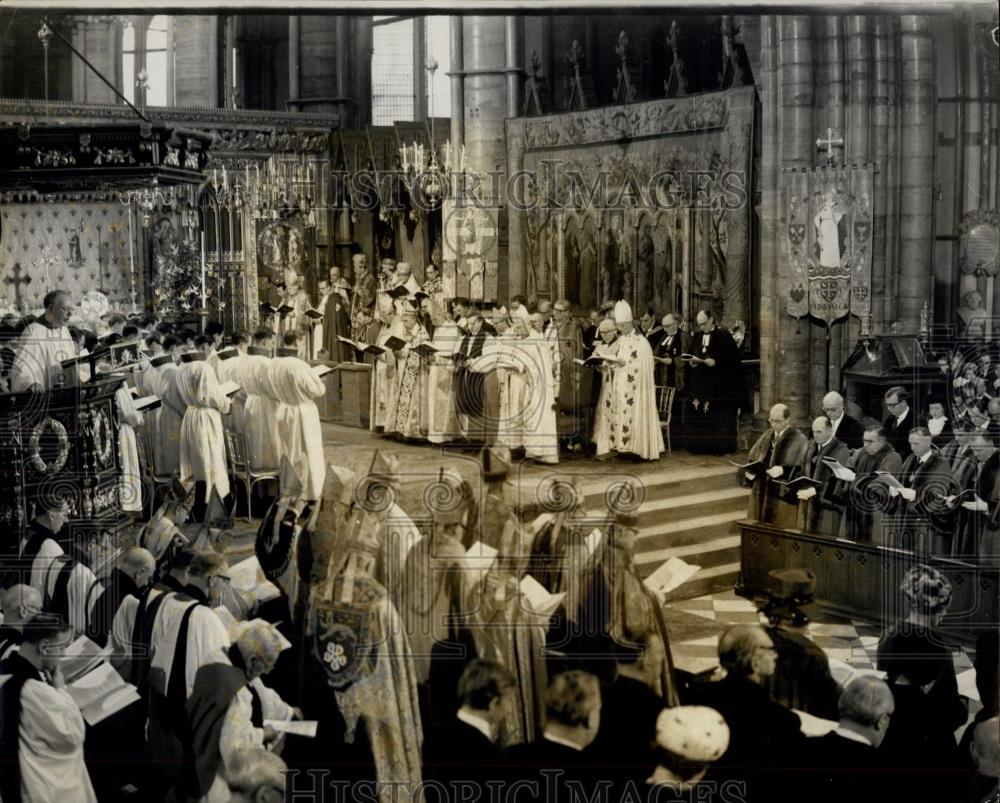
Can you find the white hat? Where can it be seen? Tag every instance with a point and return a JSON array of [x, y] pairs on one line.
[[623, 312], [693, 732]]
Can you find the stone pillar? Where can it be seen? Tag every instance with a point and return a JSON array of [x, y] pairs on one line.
[[916, 229], [829, 113], [513, 68], [485, 93], [197, 60], [361, 72], [318, 45], [294, 27], [771, 307], [457, 76], [882, 94], [798, 143], [100, 42]]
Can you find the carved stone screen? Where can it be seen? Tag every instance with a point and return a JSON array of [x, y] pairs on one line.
[[649, 202]]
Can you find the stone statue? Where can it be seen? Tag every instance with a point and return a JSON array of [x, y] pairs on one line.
[[972, 316]]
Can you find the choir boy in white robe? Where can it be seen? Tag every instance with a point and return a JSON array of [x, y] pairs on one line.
[[230, 369], [541, 383], [629, 409], [166, 445], [260, 418], [43, 344], [203, 445], [44, 762], [302, 468], [129, 421]]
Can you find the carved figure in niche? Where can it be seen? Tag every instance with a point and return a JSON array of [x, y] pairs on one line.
[[75, 258], [573, 274], [830, 223], [972, 316], [718, 242], [665, 275], [617, 263]]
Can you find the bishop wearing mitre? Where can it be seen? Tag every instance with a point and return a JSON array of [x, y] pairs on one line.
[[631, 421]]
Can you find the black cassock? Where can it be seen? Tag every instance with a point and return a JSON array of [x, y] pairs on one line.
[[721, 387], [336, 323], [470, 386]]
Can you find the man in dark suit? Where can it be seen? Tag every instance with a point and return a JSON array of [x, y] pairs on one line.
[[819, 509], [844, 764], [847, 430], [780, 450], [900, 419], [573, 718], [716, 387], [763, 735], [464, 748], [668, 346], [924, 522]]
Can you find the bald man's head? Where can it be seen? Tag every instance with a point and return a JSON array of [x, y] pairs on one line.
[[779, 416], [139, 564], [19, 604], [833, 405]]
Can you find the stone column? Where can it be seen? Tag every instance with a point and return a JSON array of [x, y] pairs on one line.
[[798, 142], [882, 93], [318, 45], [100, 42], [457, 76], [771, 307], [485, 93], [916, 230], [294, 91], [361, 71], [196, 60], [829, 114], [513, 67]]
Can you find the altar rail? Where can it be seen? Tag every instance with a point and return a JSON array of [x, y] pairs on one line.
[[861, 581]]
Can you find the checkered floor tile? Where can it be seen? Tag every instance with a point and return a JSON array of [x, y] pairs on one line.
[[853, 642]]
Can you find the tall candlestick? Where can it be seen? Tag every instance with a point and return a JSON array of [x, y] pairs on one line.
[[204, 304], [131, 256]]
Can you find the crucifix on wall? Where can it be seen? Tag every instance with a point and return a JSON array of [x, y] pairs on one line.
[[17, 280], [829, 144]]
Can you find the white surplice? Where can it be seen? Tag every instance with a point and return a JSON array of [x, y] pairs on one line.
[[207, 641], [37, 355], [442, 414], [203, 445], [167, 443], [129, 420], [539, 382], [502, 355], [51, 739], [385, 376], [302, 468], [260, 412], [81, 578]]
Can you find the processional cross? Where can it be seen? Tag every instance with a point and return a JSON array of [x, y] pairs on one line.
[[828, 145], [17, 280]]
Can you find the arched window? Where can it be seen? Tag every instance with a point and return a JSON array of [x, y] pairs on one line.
[[147, 45]]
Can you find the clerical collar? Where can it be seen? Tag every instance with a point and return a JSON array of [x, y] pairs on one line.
[[564, 742], [163, 359], [259, 351], [287, 352], [194, 356], [475, 721], [852, 736], [43, 321]]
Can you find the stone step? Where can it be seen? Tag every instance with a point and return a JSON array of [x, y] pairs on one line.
[[664, 485], [708, 581], [690, 532], [709, 553], [692, 506]]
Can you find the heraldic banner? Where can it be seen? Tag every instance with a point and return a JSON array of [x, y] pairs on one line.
[[827, 218]]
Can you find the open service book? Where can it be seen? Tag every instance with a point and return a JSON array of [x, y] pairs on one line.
[[96, 688]]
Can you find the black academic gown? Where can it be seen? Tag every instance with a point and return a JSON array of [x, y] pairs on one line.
[[722, 387], [926, 525], [899, 432], [850, 431], [470, 387], [336, 323], [978, 538]]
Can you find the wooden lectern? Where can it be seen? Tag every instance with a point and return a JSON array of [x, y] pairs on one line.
[[355, 388], [61, 443]]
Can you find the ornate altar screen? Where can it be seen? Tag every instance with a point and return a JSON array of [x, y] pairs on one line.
[[648, 201]]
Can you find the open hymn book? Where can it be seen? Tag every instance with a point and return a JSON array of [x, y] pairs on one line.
[[96, 688]]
